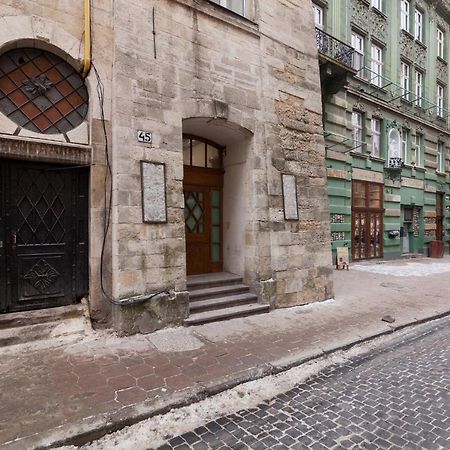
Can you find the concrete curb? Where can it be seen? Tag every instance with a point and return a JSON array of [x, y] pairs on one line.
[[93, 428]]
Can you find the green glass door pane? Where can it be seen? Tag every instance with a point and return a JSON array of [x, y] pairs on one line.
[[215, 236], [215, 252], [216, 199], [216, 216]]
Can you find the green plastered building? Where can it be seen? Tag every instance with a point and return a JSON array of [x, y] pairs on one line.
[[385, 92]]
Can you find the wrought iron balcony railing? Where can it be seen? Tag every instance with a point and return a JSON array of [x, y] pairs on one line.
[[334, 49]]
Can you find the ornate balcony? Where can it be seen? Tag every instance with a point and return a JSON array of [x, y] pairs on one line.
[[336, 61], [334, 50]]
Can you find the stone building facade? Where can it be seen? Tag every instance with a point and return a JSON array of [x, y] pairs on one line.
[[385, 81], [226, 94]]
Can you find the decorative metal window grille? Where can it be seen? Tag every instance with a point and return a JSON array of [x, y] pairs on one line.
[[41, 92], [337, 218], [337, 236]]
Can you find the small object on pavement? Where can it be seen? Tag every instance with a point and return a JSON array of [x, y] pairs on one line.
[[388, 319], [342, 258]]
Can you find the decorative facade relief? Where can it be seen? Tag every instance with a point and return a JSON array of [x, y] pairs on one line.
[[441, 70], [412, 50], [360, 14], [378, 26]]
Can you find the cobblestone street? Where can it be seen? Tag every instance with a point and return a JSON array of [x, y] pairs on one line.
[[392, 398]]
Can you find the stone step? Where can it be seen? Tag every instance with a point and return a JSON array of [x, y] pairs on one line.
[[412, 255], [39, 331], [217, 292], [210, 280], [222, 302], [225, 314], [40, 316]]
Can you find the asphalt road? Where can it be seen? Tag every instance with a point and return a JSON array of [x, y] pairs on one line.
[[392, 398]]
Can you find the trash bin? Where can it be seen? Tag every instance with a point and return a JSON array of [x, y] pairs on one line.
[[436, 249]]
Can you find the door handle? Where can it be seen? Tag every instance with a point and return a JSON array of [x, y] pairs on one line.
[[13, 239]]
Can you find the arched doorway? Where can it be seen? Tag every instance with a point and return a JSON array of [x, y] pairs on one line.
[[203, 204]]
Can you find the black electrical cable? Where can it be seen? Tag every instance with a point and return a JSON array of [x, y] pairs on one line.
[[107, 209]]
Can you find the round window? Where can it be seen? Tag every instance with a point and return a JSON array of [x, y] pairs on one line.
[[41, 92]]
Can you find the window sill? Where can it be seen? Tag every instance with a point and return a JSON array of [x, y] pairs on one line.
[[380, 13], [419, 168], [359, 154], [223, 14], [377, 159], [441, 174], [442, 60], [407, 101], [321, 3], [228, 10], [407, 34], [421, 44]]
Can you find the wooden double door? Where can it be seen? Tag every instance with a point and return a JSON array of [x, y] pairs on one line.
[[43, 235], [203, 213], [367, 220]]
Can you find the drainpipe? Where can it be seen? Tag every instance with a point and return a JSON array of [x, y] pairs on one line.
[[87, 39]]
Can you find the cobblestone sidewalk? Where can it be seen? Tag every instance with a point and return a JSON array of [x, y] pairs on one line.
[[392, 399], [53, 392]]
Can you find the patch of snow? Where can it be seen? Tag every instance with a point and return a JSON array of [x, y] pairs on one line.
[[174, 340], [412, 269]]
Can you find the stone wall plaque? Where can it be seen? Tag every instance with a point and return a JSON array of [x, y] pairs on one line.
[[153, 176], [289, 184]]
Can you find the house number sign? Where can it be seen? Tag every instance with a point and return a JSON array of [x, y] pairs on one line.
[[144, 136]]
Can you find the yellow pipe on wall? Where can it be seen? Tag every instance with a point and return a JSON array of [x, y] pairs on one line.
[[87, 38]]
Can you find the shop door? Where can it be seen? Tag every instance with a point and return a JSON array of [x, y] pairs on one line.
[[367, 220], [43, 235], [202, 186]]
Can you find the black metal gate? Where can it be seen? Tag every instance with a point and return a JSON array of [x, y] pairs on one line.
[[43, 235]]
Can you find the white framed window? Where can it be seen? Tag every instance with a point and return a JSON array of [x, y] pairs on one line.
[[419, 88], [237, 6], [440, 100], [376, 65], [440, 157], [404, 79], [404, 15], [357, 130], [418, 24], [417, 150], [358, 56], [376, 137], [404, 145], [440, 43], [376, 4], [394, 143], [318, 15]]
